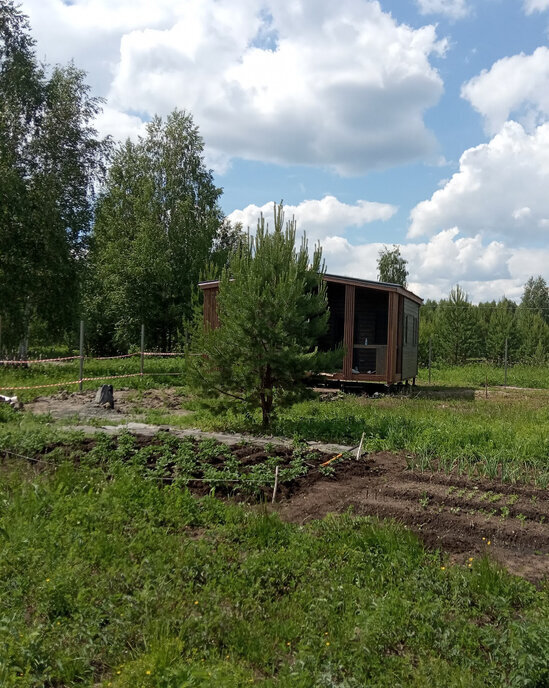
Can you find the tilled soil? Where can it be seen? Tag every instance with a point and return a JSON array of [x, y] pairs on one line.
[[466, 518], [458, 515]]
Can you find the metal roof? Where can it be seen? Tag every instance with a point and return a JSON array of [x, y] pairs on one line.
[[341, 279]]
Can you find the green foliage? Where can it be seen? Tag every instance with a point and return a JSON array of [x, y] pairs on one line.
[[50, 158], [156, 227], [458, 332], [391, 266], [114, 581], [536, 297], [450, 431], [272, 310]]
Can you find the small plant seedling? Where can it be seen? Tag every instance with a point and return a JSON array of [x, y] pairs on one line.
[[521, 518], [494, 497], [424, 500], [512, 499], [504, 512], [327, 471]]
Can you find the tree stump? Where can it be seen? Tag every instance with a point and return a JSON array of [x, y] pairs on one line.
[[105, 397]]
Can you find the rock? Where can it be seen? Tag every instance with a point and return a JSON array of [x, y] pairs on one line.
[[105, 397]]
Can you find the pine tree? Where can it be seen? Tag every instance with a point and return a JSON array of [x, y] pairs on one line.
[[458, 333], [272, 309], [502, 326]]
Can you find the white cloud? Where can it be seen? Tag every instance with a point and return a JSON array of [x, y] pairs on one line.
[[500, 190], [531, 6], [485, 271], [319, 218], [517, 86], [119, 125], [455, 9], [340, 85]]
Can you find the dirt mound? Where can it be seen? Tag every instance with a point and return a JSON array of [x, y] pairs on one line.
[[463, 517]]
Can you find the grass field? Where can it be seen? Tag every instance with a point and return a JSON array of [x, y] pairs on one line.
[[448, 427], [107, 578], [159, 371], [476, 375], [504, 436], [111, 577]]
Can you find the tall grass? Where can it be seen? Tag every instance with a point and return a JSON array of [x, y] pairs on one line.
[[508, 441], [476, 375], [159, 371], [111, 580]]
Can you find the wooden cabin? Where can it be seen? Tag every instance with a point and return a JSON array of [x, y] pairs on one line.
[[377, 322]]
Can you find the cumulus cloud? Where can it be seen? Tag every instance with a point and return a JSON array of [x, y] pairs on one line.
[[500, 190], [340, 85], [119, 125], [485, 270], [446, 258], [455, 9], [531, 6], [319, 218], [515, 86]]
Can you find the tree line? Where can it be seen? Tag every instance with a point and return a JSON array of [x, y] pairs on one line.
[[119, 234], [116, 234], [459, 331]]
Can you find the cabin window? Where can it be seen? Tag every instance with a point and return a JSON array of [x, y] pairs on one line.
[[410, 330]]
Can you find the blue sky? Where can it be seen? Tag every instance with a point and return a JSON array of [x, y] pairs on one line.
[[419, 122]]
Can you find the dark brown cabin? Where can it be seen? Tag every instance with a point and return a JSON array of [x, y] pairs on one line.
[[377, 322]]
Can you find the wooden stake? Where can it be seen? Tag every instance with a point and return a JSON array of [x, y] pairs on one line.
[[275, 486], [486, 386], [359, 450]]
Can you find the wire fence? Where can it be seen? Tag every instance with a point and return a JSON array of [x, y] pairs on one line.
[[82, 359]]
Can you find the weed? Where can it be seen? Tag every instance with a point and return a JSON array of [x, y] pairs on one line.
[[134, 582]]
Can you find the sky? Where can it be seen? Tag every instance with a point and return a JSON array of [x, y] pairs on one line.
[[422, 123]]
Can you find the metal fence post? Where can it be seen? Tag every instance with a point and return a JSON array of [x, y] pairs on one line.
[[81, 354], [142, 349], [505, 364], [430, 357]]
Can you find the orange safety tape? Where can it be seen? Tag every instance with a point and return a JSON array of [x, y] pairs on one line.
[[75, 382], [41, 360], [106, 358], [161, 353]]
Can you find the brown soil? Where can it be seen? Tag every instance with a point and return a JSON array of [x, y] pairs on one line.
[[463, 517], [127, 402], [451, 513]]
